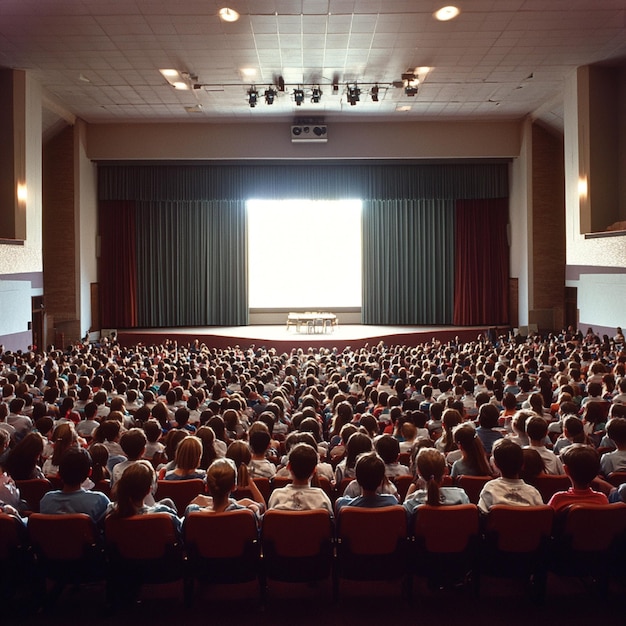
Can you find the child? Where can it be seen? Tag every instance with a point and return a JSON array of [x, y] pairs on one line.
[[133, 444], [488, 420], [221, 481], [358, 443], [74, 469], [537, 430], [509, 488], [573, 432], [299, 495], [370, 474], [187, 459], [431, 467], [473, 461], [154, 450], [582, 464], [615, 461], [259, 466], [388, 448]]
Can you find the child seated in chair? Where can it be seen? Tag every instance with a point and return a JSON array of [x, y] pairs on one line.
[[509, 489], [370, 474], [260, 441], [300, 495], [431, 467], [388, 448], [615, 461], [74, 469], [581, 463], [221, 479]]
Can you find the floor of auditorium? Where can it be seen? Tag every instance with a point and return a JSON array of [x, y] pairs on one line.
[[500, 602]]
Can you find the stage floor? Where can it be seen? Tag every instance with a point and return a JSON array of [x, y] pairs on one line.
[[283, 338]]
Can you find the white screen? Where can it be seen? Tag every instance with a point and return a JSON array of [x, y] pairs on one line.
[[304, 254]]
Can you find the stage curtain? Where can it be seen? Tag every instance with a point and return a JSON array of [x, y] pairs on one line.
[[117, 265], [482, 262], [192, 263], [408, 262]]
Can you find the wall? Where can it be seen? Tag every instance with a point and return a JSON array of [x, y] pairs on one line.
[[21, 266], [273, 141], [596, 266]]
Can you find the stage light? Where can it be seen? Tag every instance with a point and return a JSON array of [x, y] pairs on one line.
[[410, 82], [253, 97], [270, 94], [374, 93], [298, 96], [316, 94], [354, 94]]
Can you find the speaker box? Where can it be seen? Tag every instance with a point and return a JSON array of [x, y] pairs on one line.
[[309, 133]]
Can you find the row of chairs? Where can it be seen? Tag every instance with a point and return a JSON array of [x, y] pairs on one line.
[[444, 545]]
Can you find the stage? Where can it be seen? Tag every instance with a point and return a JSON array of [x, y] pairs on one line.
[[284, 338]]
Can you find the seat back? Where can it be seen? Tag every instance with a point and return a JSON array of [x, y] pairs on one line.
[[12, 539], [372, 531], [473, 485], [181, 492], [296, 533], [220, 535], [617, 478], [403, 483], [33, 490], [278, 482], [297, 545], [446, 529], [65, 537], [595, 528], [548, 484], [141, 537], [518, 529]]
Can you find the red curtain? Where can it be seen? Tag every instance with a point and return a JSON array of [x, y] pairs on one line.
[[118, 265], [482, 263]]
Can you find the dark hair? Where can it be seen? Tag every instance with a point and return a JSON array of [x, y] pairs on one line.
[[133, 442], [358, 443], [488, 415], [536, 428], [74, 466], [616, 430], [583, 463], [132, 487], [23, 458], [302, 461], [508, 457], [431, 465], [259, 441], [152, 429], [466, 439], [388, 448], [370, 471]]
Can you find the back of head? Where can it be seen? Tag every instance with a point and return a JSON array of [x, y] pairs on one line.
[[74, 466], [302, 461], [582, 463], [132, 487], [357, 444], [188, 453], [221, 478], [508, 457], [370, 471], [152, 430], [259, 441], [537, 428], [133, 442], [488, 415], [239, 452], [431, 465], [388, 448], [616, 430]]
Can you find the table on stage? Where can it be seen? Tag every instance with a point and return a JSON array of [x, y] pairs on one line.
[[313, 321]]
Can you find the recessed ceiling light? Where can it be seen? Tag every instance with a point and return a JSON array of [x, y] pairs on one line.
[[446, 13], [180, 85], [228, 15], [402, 108], [422, 71], [248, 71], [170, 73]]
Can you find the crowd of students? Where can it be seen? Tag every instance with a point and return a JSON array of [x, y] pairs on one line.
[[123, 416]]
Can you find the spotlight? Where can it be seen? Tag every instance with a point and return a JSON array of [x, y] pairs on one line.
[[253, 97], [270, 94], [316, 95], [374, 93], [353, 94], [410, 82], [298, 96], [280, 83]]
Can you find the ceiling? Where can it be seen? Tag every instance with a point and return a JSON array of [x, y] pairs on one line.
[[505, 59]]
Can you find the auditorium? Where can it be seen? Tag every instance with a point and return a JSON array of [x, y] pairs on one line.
[[206, 207]]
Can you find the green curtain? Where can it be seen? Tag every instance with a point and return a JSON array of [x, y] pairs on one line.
[[408, 262], [191, 263]]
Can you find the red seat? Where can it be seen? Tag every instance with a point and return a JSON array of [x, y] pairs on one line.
[[181, 492], [473, 485], [617, 478], [33, 490], [446, 541], [371, 544], [221, 547], [297, 545], [15, 562], [403, 483], [549, 484], [517, 544]]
